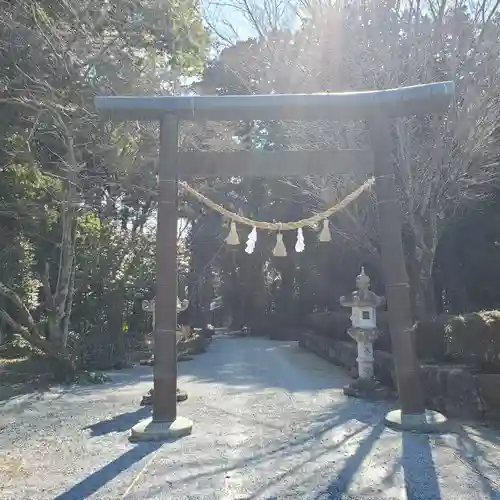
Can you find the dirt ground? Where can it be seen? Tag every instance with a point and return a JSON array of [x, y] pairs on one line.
[[270, 421]]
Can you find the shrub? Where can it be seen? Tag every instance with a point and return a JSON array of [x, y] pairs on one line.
[[97, 349], [25, 370], [18, 347], [276, 327], [472, 339], [475, 338], [335, 325], [430, 338], [88, 378], [331, 324]]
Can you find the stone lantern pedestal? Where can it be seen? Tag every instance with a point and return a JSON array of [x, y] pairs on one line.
[[364, 339], [363, 304], [149, 306]]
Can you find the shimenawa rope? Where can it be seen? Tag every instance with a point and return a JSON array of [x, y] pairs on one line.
[[279, 249]]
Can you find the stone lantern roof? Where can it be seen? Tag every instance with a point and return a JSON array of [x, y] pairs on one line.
[[363, 296]]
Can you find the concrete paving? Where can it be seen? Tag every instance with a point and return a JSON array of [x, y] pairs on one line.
[[270, 422]]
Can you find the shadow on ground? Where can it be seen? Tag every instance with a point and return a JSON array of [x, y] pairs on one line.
[[327, 442], [419, 470], [98, 479], [468, 451], [119, 423], [313, 439], [340, 484]]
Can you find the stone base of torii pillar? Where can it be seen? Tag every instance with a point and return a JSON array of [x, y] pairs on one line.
[[149, 430]]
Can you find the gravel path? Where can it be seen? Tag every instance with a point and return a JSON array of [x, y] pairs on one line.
[[270, 422]]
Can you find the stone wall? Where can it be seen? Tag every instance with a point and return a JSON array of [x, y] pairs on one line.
[[454, 390]]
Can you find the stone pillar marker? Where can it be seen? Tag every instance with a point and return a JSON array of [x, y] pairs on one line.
[[363, 303]]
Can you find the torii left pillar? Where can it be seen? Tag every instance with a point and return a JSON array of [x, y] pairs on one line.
[[165, 423]]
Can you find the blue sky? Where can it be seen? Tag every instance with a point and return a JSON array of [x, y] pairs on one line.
[[221, 14], [225, 16]]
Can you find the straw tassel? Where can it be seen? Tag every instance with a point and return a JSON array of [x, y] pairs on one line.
[[300, 245], [279, 249], [232, 238], [252, 240], [325, 235]]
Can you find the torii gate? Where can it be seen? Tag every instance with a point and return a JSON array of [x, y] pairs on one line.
[[378, 108]]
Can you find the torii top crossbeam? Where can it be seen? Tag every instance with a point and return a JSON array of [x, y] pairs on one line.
[[416, 100]]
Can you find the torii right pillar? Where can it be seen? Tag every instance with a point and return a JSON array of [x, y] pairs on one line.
[[413, 414]]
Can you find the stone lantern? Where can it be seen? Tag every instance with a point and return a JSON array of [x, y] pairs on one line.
[[363, 303], [149, 307]]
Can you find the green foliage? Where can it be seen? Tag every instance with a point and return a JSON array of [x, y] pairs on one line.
[[17, 347], [24, 370], [77, 194], [21, 347], [112, 267]]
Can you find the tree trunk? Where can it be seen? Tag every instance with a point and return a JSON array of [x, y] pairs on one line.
[[115, 313], [286, 292], [253, 286], [423, 286], [420, 243], [28, 329], [56, 303], [69, 307], [235, 301]]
